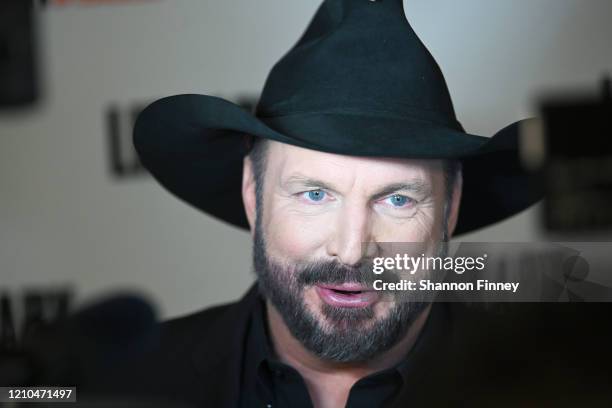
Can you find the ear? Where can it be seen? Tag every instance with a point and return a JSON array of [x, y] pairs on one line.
[[248, 192], [454, 210]]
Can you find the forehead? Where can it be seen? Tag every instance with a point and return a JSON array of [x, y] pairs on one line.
[[285, 161]]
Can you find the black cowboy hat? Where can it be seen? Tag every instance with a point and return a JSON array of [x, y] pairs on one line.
[[358, 82]]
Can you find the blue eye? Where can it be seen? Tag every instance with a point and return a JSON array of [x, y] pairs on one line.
[[398, 200], [316, 195]]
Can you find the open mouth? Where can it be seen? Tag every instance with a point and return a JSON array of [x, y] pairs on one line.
[[347, 292], [347, 295]]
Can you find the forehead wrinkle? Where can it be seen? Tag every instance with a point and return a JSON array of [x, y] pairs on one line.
[[306, 181], [326, 164], [317, 174]]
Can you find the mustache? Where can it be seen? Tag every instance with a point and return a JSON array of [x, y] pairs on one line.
[[333, 272]]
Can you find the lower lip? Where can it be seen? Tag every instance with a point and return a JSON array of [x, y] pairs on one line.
[[344, 299]]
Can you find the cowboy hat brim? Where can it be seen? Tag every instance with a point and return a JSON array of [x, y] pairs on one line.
[[193, 145]]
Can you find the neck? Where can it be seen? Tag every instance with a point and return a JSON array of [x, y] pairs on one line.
[[329, 382]]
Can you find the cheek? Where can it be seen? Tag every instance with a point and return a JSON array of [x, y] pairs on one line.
[[420, 228], [295, 237]]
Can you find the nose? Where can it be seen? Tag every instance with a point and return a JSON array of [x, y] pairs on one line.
[[352, 241]]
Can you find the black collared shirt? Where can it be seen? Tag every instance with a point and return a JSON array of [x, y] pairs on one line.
[[269, 383]]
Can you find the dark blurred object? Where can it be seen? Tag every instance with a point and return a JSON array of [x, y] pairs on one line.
[[84, 347], [18, 54], [42, 309], [577, 165], [14, 365], [8, 336], [123, 159]]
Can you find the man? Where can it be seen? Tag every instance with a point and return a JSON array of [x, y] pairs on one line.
[[310, 213], [354, 143]]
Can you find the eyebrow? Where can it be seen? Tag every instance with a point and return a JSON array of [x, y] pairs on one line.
[[416, 186]]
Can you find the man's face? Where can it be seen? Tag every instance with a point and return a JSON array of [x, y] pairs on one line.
[[318, 224]]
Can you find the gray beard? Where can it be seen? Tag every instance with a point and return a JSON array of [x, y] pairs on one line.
[[352, 335]]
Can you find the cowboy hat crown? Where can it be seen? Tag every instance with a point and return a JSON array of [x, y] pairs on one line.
[[358, 57]]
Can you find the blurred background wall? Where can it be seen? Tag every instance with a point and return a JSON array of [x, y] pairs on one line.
[[67, 219]]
